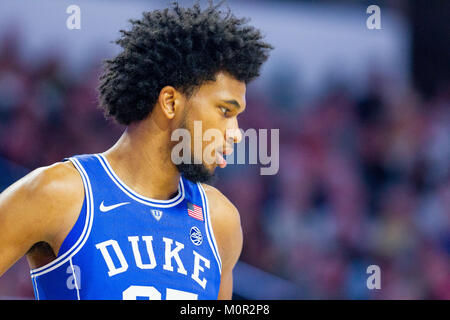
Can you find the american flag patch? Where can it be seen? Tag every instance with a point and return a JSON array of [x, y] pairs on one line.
[[195, 211]]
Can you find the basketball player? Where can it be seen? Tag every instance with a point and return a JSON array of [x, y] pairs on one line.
[[129, 223]]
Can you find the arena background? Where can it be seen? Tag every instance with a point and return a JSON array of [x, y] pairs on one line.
[[364, 119]]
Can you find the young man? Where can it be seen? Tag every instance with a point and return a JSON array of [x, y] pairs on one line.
[[132, 223]]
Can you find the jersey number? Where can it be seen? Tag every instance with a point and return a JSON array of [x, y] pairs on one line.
[[132, 292]]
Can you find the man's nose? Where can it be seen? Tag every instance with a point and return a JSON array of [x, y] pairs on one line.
[[234, 133]]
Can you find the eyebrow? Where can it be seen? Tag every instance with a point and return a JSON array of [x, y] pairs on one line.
[[233, 102]]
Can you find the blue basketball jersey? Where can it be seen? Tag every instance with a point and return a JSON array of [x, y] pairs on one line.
[[126, 246]]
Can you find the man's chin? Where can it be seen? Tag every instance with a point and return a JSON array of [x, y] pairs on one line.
[[197, 173]]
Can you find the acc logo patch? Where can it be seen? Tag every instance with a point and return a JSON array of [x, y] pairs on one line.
[[157, 214], [196, 236]]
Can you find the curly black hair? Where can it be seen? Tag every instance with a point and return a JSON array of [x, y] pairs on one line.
[[180, 47]]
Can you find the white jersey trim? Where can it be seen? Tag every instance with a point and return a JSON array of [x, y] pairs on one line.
[[75, 280], [36, 288], [137, 197], [208, 227]]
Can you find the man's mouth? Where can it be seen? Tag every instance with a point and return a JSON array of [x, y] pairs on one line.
[[220, 160]]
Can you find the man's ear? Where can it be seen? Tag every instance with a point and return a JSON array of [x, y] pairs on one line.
[[168, 101]]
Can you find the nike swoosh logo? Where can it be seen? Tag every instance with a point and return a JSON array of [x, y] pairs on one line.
[[104, 208]]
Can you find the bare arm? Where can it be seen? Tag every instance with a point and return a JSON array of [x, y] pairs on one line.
[[39, 207], [227, 229]]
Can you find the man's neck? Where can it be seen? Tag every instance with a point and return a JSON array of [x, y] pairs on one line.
[[141, 159]]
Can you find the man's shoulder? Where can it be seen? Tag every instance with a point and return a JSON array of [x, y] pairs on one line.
[[59, 180], [44, 203], [219, 204], [46, 190]]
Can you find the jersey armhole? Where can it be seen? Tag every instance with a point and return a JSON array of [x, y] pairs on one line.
[[74, 233], [209, 228], [79, 233], [77, 229]]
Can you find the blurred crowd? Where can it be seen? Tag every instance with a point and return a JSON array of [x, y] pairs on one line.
[[363, 180]]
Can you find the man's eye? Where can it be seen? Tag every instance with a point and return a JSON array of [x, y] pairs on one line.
[[224, 110]]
